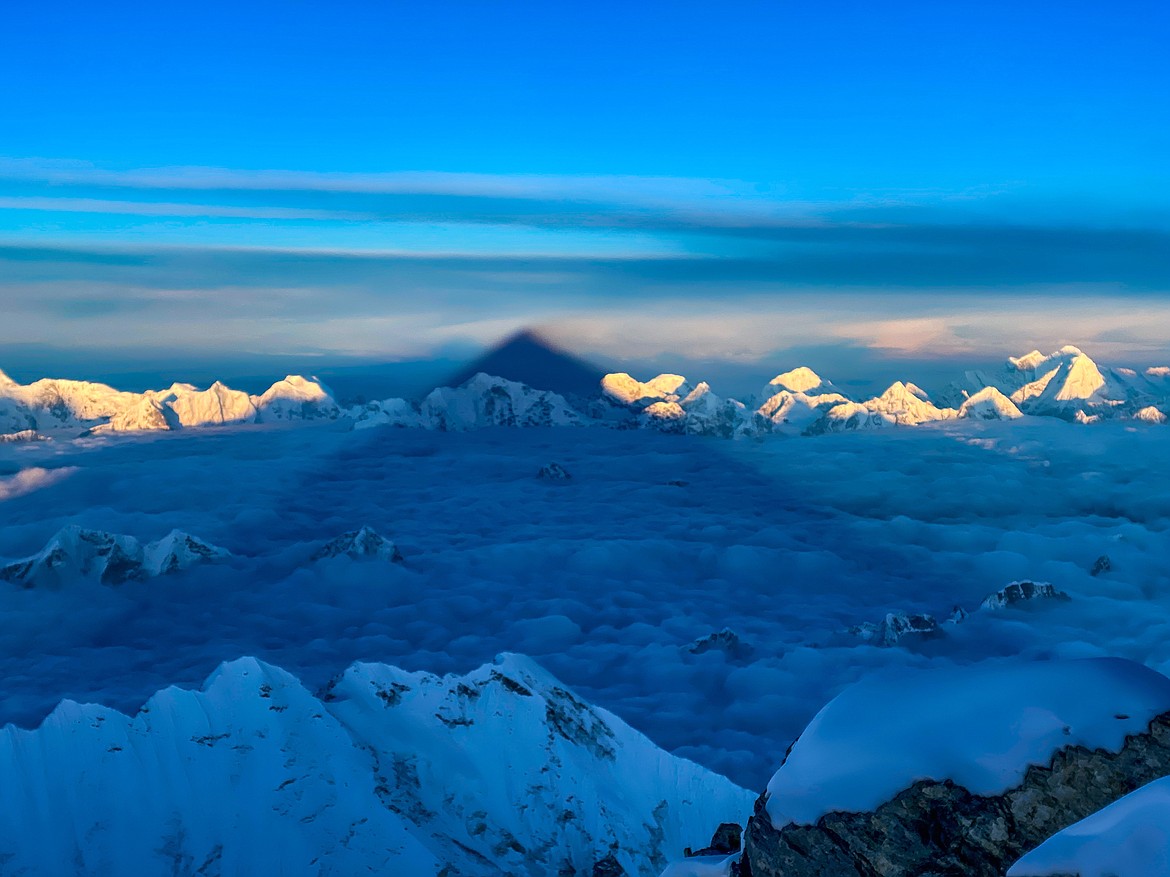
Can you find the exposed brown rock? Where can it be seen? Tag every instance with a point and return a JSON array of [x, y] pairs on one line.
[[939, 829]]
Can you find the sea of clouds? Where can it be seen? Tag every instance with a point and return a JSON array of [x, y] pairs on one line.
[[606, 579]]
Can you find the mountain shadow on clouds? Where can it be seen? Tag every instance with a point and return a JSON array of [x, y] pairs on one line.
[[531, 359]]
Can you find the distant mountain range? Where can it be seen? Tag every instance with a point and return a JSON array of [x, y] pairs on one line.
[[528, 382]]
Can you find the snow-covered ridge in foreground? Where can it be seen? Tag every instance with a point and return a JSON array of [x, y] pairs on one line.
[[1129, 838], [501, 771], [983, 727]]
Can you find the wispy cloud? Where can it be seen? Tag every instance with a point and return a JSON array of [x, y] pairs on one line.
[[46, 204], [397, 264]]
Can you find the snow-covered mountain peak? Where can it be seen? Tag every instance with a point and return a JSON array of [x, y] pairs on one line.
[[668, 385], [1035, 360], [900, 393], [77, 553], [801, 379], [296, 398], [502, 771], [626, 390], [1077, 379], [989, 404], [218, 405], [547, 783], [178, 551], [1027, 362], [907, 403]]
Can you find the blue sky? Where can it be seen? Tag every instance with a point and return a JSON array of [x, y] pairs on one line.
[[385, 180]]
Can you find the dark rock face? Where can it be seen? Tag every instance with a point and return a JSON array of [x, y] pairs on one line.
[[1101, 565], [939, 829], [609, 867], [894, 627], [725, 841], [726, 640], [359, 545]]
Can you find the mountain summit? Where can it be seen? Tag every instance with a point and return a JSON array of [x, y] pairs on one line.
[[529, 358]]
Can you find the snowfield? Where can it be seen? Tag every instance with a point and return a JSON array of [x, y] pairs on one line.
[[1129, 838]]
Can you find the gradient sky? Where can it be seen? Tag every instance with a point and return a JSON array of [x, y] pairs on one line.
[[387, 180]]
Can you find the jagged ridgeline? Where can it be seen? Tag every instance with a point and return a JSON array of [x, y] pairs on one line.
[[502, 771], [1066, 384]]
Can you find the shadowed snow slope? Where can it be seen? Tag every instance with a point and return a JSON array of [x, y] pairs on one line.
[[501, 771], [980, 726], [1129, 838], [489, 401]]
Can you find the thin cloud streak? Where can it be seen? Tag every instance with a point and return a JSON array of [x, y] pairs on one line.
[[168, 208], [401, 264]]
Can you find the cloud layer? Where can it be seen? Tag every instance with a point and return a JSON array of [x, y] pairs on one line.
[[399, 264]]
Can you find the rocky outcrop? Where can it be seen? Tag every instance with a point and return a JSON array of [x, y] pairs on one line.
[[939, 829], [1101, 565], [363, 544], [728, 838], [894, 627], [554, 472], [726, 641], [1023, 592]]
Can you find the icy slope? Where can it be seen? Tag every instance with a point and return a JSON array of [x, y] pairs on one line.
[[506, 765], [502, 771], [251, 775], [1129, 838]]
